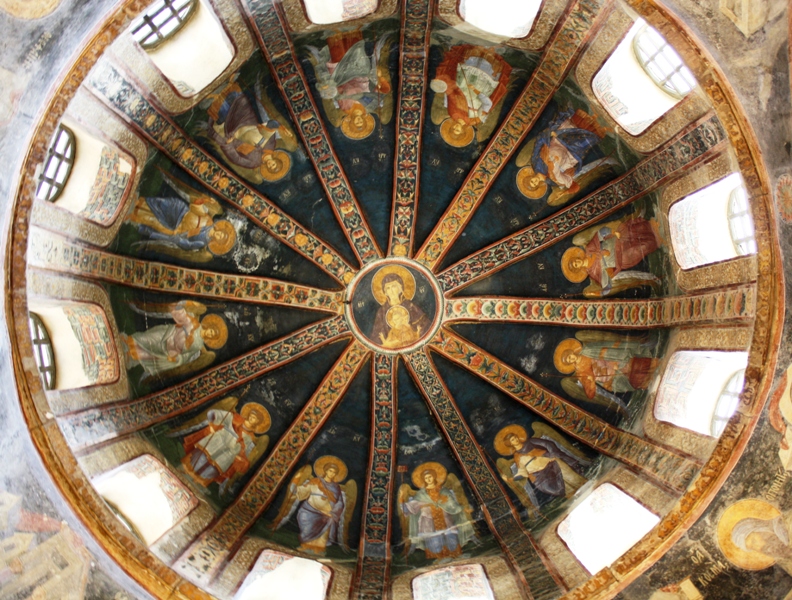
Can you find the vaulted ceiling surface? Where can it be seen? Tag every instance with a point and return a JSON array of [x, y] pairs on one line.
[[381, 279]]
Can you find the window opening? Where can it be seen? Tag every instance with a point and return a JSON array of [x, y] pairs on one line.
[[462, 582], [509, 18], [42, 351], [740, 222], [727, 403], [161, 21], [662, 63], [60, 159], [325, 12]]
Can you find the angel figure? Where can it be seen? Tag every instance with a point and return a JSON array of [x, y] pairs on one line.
[[179, 347], [221, 443], [555, 160], [353, 84], [183, 225], [250, 133], [324, 506], [470, 85], [605, 364], [436, 517], [605, 253], [546, 463]]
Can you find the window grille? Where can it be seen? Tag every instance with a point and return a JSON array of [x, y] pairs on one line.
[[161, 21], [727, 403], [60, 159], [740, 223], [42, 351], [662, 63]]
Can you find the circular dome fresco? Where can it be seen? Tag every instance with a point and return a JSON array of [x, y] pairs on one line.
[[376, 299]]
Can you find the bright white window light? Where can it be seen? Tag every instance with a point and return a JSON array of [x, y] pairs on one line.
[[604, 526], [279, 576], [642, 80], [42, 351], [163, 19], [712, 225], [463, 582], [509, 18], [692, 386], [727, 403], [324, 12], [60, 160]]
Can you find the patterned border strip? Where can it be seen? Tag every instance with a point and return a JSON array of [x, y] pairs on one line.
[[50, 251], [706, 307], [95, 425], [373, 569], [700, 140], [280, 53], [517, 544], [562, 52], [202, 560], [128, 102], [663, 466], [414, 53]]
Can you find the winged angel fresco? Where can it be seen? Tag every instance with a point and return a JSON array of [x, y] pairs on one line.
[[323, 505], [435, 518], [221, 443], [541, 467]]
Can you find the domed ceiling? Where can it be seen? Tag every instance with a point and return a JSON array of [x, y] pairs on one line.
[[358, 284]]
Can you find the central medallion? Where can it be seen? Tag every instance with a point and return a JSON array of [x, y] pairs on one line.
[[394, 305]]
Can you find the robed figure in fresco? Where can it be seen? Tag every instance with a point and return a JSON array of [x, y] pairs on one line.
[[606, 254], [435, 518], [604, 364], [470, 85], [323, 505], [754, 535], [184, 225], [221, 443], [250, 133], [354, 84], [555, 160], [541, 466], [175, 348], [399, 322]]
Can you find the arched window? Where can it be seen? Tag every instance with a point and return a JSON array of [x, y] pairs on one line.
[[698, 389], [604, 526], [510, 18], [642, 80], [462, 582], [712, 224], [146, 496], [60, 159], [324, 12], [161, 21], [42, 351], [279, 576]]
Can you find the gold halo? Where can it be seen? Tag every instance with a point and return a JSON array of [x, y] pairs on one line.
[[282, 159], [264, 417], [352, 132], [215, 322], [392, 311], [523, 175], [324, 461], [572, 274], [501, 446], [440, 472], [450, 138], [220, 248], [745, 509], [563, 348], [407, 279]]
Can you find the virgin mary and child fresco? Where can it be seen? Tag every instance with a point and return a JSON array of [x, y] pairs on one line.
[[399, 322]]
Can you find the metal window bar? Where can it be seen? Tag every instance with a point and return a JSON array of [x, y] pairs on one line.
[[60, 159], [162, 21], [42, 351], [727, 403], [662, 63], [741, 224]]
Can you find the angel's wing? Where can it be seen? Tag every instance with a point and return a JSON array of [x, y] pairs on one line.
[[504, 467], [439, 112], [585, 236], [453, 483], [266, 108], [290, 502], [484, 130], [227, 404], [350, 490], [154, 310], [405, 493], [542, 430], [524, 157], [196, 256], [184, 191], [574, 390]]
